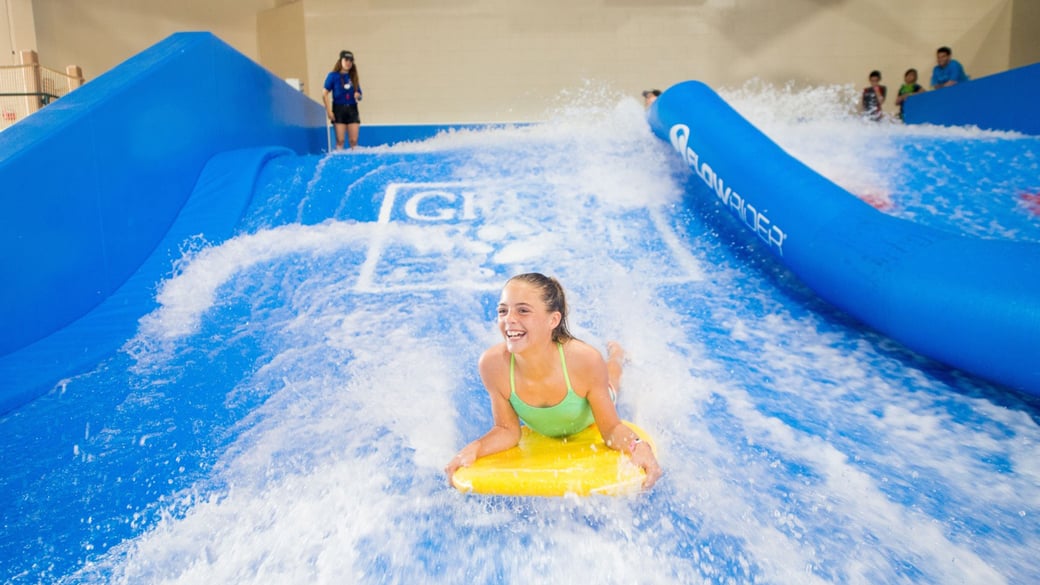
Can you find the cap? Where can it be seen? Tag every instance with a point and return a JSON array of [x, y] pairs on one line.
[[346, 55]]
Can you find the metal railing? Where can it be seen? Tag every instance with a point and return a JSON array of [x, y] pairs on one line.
[[26, 88]]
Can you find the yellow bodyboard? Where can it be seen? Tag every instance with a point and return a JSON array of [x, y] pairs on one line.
[[580, 464]]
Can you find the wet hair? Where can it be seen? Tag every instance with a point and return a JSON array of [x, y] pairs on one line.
[[554, 299], [946, 50]]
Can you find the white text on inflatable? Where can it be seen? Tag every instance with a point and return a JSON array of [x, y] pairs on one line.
[[757, 221]]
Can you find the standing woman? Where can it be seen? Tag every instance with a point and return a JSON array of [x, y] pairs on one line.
[[342, 82]]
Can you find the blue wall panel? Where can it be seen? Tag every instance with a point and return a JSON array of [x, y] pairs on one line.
[[1005, 101], [378, 135], [91, 183], [221, 195]]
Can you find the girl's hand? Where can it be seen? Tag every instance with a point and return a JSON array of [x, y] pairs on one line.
[[643, 456], [332, 117], [357, 96], [464, 458]]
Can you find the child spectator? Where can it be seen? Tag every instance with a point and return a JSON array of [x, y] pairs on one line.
[[909, 88], [874, 97], [650, 96]]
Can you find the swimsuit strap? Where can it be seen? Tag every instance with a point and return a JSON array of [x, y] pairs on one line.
[[563, 361]]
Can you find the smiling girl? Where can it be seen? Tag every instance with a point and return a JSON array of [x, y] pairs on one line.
[[541, 375]]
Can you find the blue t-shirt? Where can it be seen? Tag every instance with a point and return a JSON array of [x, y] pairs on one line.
[[952, 72], [341, 87]]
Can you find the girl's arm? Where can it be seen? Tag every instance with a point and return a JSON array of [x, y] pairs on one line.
[[615, 433], [505, 433], [328, 105]]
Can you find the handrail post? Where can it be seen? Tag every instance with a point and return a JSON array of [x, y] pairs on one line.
[[75, 76], [31, 79]]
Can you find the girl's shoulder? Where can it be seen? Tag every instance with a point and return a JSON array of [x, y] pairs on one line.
[[493, 366], [580, 354], [494, 357]]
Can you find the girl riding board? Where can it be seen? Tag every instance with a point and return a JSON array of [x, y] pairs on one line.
[[556, 384]]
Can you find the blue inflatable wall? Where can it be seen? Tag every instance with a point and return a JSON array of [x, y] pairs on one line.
[[93, 183], [971, 303], [381, 134], [1005, 101]]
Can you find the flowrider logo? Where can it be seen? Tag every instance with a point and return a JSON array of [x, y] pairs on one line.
[[766, 230]]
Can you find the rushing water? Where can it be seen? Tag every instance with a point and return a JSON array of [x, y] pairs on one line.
[[285, 414]]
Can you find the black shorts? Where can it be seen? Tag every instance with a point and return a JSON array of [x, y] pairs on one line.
[[346, 114]]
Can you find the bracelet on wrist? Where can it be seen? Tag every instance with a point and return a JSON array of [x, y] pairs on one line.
[[633, 444]]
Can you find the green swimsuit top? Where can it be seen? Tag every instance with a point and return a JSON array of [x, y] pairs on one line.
[[569, 416]]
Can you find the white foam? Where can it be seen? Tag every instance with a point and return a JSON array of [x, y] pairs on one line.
[[822, 127], [368, 390]]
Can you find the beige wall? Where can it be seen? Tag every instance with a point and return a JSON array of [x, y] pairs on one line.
[[499, 60], [100, 34], [1025, 33], [17, 30], [282, 41], [8, 52], [494, 60]]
